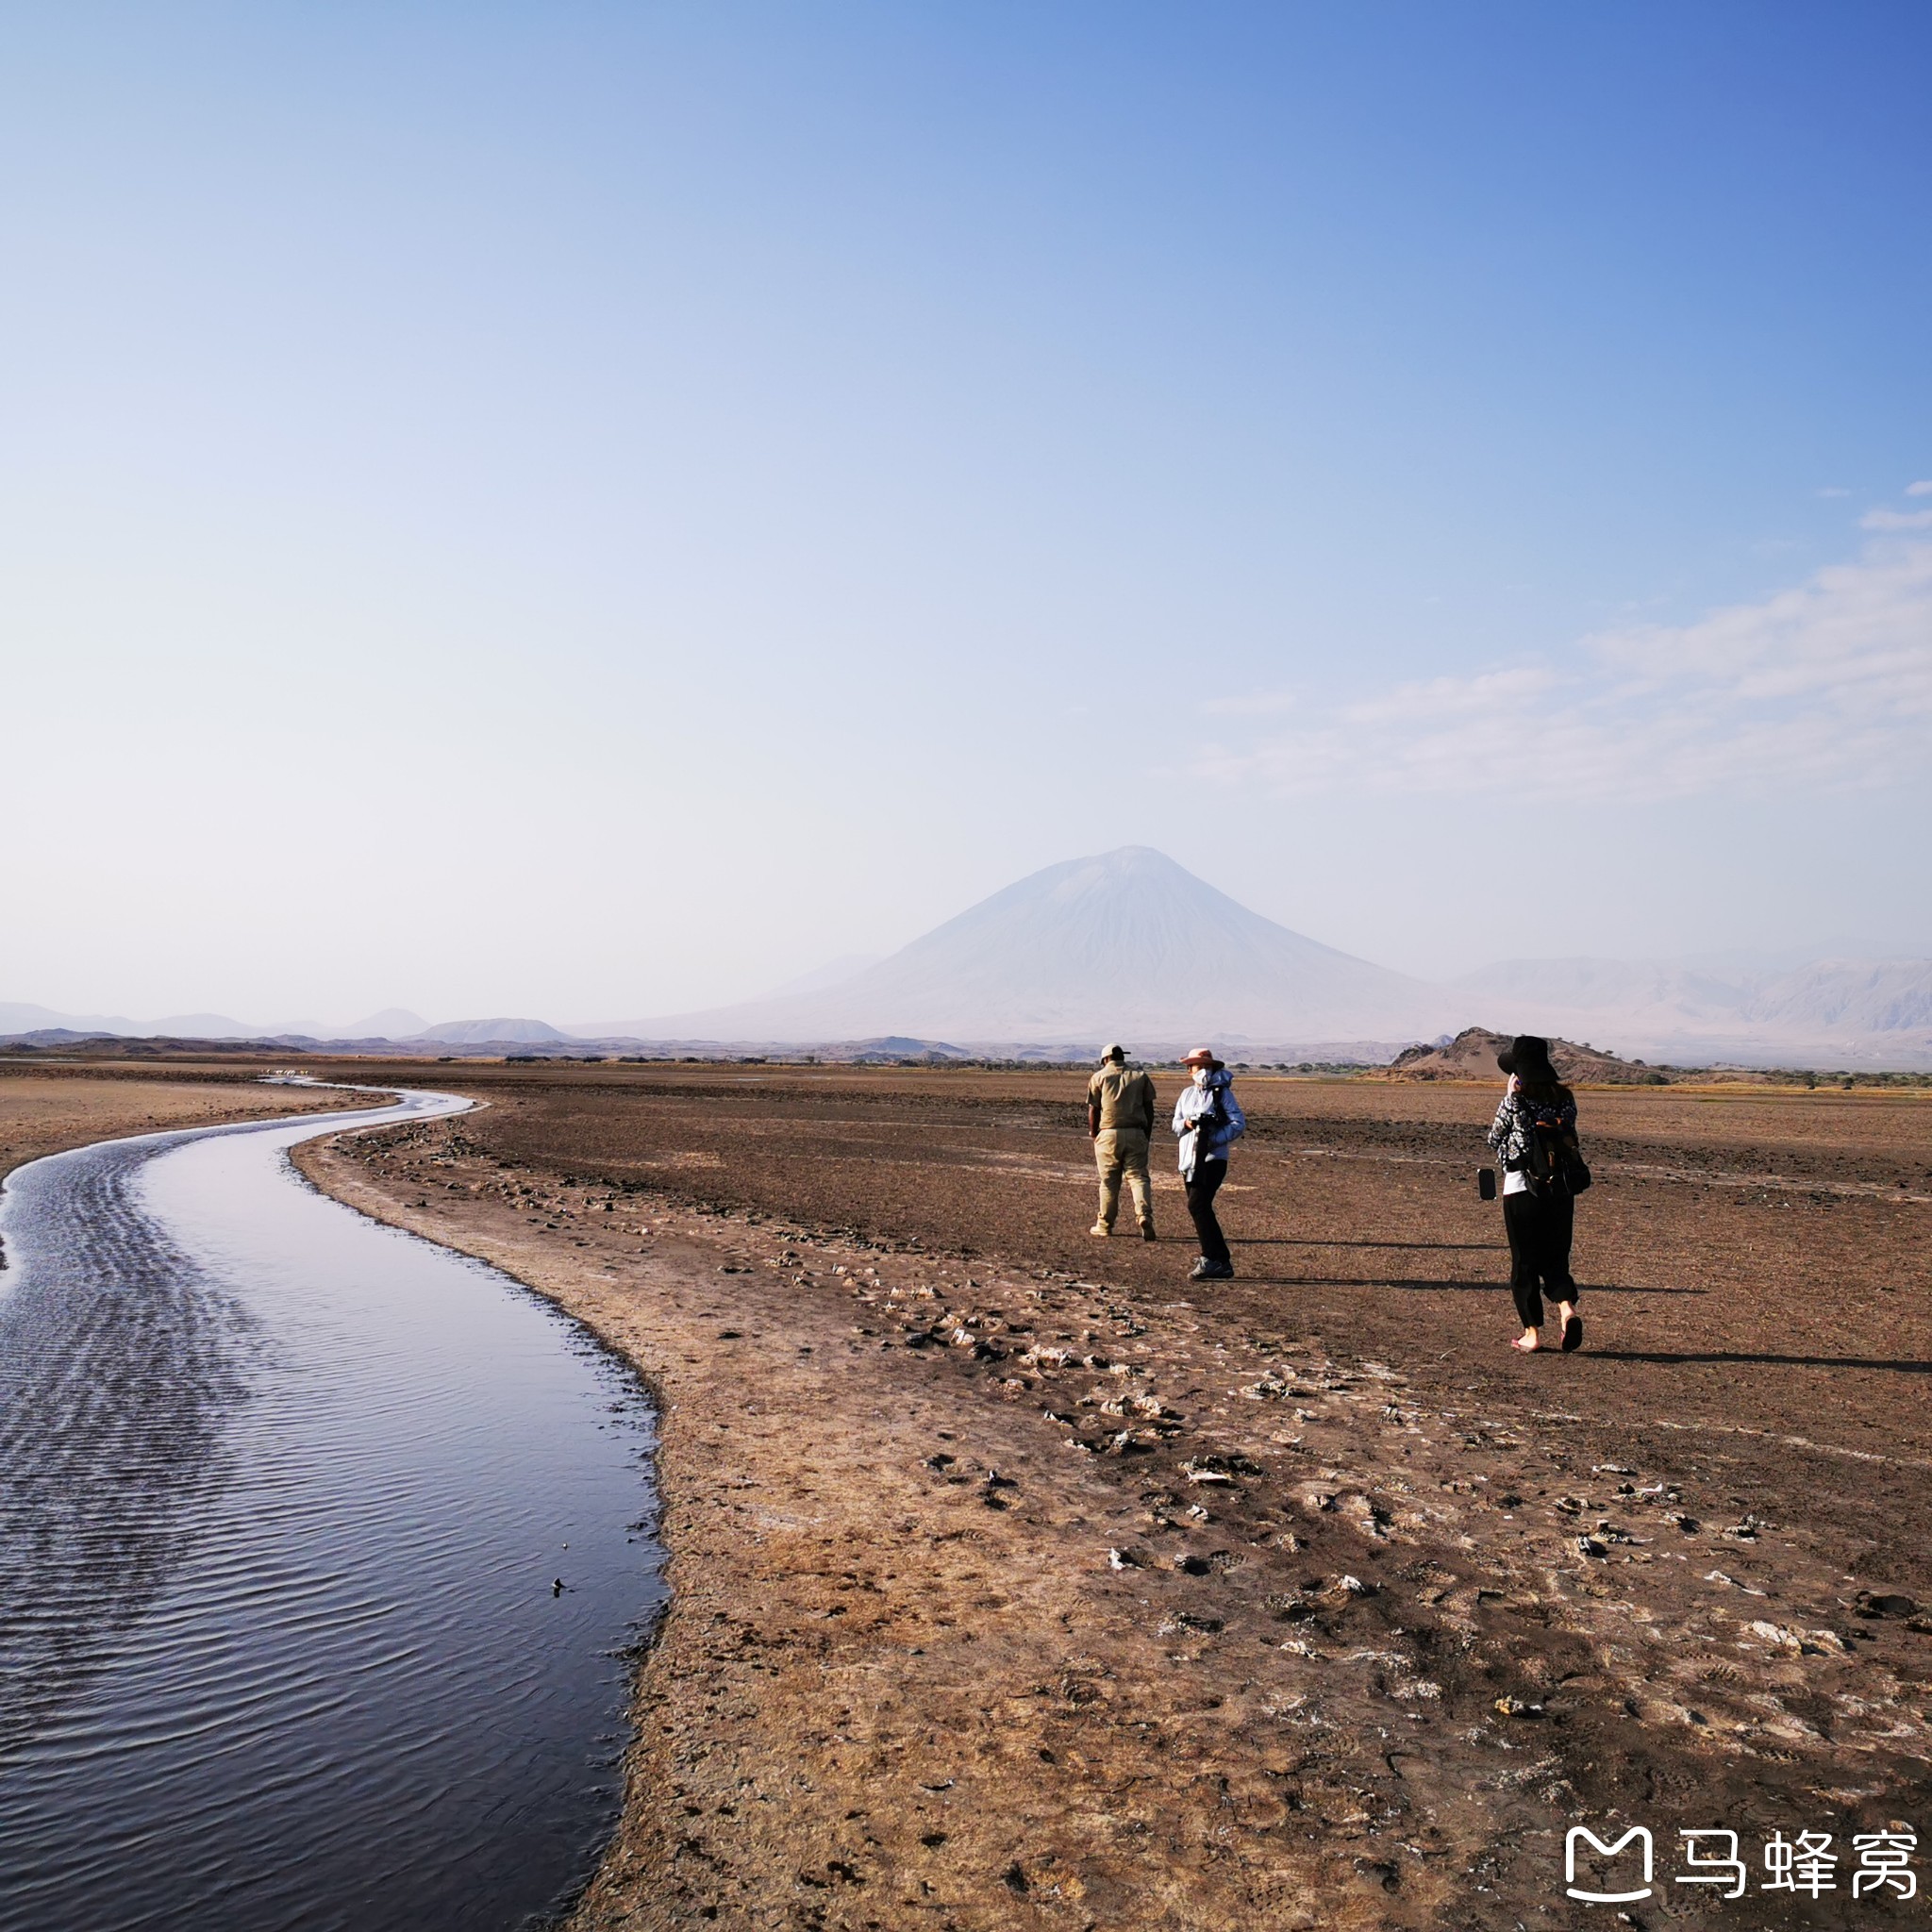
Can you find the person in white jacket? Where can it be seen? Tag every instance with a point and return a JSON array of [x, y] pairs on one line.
[[1208, 1120]]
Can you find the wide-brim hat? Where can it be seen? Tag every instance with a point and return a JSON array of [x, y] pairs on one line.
[[1201, 1056], [1529, 1058]]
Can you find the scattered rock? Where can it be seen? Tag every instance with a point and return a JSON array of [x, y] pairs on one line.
[[1719, 1577], [1383, 1874], [1040, 1357], [1288, 1606], [1870, 1604], [1805, 1642], [1366, 1514]]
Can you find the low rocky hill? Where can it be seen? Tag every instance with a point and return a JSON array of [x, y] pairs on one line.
[[1471, 1055]]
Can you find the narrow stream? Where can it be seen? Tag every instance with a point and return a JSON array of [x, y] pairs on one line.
[[285, 1498]]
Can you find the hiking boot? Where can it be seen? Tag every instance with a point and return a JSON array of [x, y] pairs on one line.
[[1101, 1229], [1147, 1234]]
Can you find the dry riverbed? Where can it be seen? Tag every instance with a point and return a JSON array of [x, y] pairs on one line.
[[1008, 1592]]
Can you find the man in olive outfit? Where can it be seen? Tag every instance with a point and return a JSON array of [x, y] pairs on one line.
[[1119, 1117]]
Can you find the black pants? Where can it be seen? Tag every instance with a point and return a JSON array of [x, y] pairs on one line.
[[1203, 1185], [1540, 1228]]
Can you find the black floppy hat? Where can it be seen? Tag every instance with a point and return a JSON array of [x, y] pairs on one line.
[[1529, 1056]]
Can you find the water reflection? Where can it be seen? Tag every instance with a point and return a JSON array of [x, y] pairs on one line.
[[287, 1496]]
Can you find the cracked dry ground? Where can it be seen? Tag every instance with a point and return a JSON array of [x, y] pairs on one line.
[[1019, 1583]]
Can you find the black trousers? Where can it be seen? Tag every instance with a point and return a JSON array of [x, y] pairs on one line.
[[1540, 1228], [1203, 1185]]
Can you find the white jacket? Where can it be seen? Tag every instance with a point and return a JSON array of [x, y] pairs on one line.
[[1228, 1125]]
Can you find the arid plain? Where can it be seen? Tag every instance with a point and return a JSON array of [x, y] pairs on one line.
[[1019, 1582]]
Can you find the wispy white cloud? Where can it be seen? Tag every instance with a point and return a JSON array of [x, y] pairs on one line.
[[1828, 684], [1897, 520], [1919, 489]]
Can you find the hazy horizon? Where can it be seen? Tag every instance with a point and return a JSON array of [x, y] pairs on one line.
[[601, 513], [1739, 965]]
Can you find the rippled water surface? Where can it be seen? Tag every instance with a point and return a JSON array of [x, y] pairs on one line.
[[284, 1497]]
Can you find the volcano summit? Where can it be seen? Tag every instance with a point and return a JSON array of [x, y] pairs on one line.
[[1126, 944]]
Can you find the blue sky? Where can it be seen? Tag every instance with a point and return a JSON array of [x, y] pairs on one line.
[[592, 509]]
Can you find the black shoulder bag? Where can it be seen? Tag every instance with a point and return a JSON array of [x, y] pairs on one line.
[[1574, 1168]]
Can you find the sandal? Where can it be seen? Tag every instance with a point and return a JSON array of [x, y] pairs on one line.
[[1523, 1347], [1573, 1334]]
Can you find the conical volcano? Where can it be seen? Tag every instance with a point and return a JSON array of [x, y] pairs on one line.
[[1127, 945]]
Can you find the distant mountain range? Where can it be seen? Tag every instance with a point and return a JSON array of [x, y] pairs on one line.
[[1826, 1012], [1129, 945], [393, 1023]]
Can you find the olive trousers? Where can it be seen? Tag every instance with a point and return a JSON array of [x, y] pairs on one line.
[[1119, 1151]]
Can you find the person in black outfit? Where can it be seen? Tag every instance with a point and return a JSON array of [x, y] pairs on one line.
[[1534, 1128]]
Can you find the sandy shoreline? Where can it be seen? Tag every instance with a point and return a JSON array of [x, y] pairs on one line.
[[1004, 1597], [871, 1695]]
